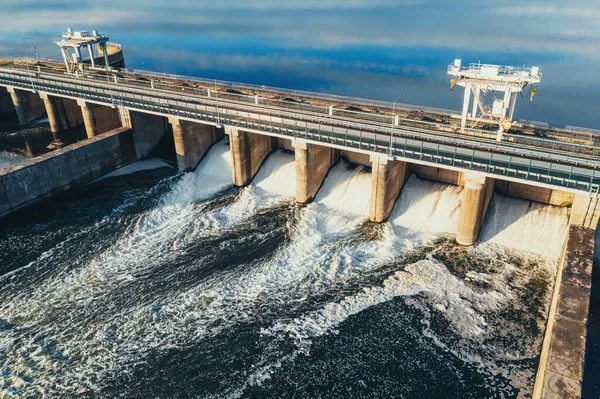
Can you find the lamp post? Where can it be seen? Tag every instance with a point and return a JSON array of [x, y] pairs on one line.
[[217, 106], [37, 55], [112, 98], [393, 121]]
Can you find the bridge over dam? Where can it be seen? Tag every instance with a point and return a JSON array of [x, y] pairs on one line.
[[558, 169], [127, 115]]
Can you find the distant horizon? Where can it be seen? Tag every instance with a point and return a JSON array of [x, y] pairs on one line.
[[376, 50]]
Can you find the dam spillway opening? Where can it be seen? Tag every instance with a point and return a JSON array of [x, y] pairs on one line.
[[157, 273]]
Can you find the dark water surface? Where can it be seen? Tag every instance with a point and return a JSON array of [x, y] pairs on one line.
[[156, 284]]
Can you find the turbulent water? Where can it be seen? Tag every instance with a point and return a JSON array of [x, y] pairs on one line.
[[149, 283]]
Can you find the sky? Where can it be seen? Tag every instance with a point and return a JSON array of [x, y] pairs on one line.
[[376, 49]]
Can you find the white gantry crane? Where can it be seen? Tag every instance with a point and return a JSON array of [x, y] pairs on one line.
[[484, 78], [75, 41]]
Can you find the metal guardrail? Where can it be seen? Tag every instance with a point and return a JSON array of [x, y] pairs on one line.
[[303, 93], [455, 153], [383, 119]]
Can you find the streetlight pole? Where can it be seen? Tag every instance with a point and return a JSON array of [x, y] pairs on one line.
[[393, 121], [37, 55], [217, 104]]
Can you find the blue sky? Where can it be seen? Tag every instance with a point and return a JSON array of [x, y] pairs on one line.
[[374, 49]]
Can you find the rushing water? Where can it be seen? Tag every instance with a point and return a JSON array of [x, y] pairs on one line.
[[149, 283]]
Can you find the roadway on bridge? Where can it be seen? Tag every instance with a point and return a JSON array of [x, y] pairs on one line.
[[525, 162]]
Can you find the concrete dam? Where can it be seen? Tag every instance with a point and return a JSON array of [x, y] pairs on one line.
[[237, 130]]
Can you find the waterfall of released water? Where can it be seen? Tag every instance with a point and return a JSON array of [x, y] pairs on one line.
[[320, 255], [525, 226], [8, 158], [427, 207]]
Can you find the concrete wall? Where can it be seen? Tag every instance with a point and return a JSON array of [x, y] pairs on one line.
[[192, 140], [44, 176], [248, 151], [29, 106], [6, 104], [476, 197], [98, 118], [147, 130], [562, 358], [585, 211], [357, 158], [63, 114], [312, 165], [387, 179], [439, 174], [534, 193]]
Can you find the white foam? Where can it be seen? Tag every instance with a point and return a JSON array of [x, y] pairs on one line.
[[346, 191], [8, 159], [449, 295], [146, 164], [428, 207], [525, 226]]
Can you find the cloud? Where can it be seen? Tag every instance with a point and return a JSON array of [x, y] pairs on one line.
[[545, 10]]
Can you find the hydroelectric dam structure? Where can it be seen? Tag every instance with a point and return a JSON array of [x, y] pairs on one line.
[[126, 114]]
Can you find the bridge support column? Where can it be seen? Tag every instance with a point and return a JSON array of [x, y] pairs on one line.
[[387, 179], [62, 113], [192, 140], [28, 105], [585, 211], [6, 104], [312, 164], [248, 151], [148, 129], [476, 197], [98, 118]]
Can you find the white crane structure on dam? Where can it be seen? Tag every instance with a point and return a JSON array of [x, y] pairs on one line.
[[77, 40], [478, 79]]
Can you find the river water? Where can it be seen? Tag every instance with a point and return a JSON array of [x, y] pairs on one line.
[[151, 283]]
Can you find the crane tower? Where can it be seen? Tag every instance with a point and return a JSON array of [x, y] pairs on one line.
[[484, 78]]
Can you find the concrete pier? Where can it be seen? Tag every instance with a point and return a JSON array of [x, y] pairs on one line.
[[192, 140], [248, 151], [387, 179], [560, 371], [28, 106], [312, 165], [476, 197], [98, 118], [63, 114], [585, 211], [6, 104], [148, 129]]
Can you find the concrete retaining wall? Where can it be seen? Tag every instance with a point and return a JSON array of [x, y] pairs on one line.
[[147, 131], [560, 370], [44, 176]]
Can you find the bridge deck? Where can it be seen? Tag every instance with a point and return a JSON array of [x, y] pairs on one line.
[[364, 127]]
